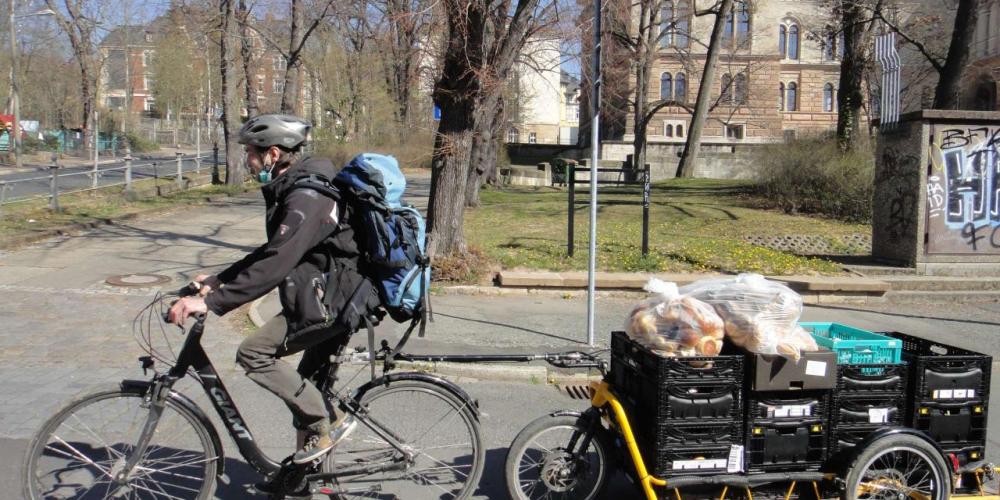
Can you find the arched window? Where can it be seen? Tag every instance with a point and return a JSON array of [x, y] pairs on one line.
[[781, 96], [741, 89], [782, 40], [742, 23], [666, 86], [727, 88], [828, 98], [830, 46], [792, 99], [683, 24], [793, 42], [668, 130], [680, 88], [727, 32], [680, 130], [666, 25]]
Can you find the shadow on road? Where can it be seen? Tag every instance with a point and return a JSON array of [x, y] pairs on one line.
[[512, 327], [901, 315]]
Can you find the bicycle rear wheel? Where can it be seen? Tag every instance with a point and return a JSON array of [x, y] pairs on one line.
[[79, 452], [438, 429]]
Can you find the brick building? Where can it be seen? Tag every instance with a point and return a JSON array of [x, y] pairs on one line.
[[776, 77]]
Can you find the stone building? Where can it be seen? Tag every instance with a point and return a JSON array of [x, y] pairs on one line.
[[776, 78], [982, 79]]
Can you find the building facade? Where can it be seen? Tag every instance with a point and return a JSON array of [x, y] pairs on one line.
[[982, 79], [776, 77]]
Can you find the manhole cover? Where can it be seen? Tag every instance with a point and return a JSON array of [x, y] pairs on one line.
[[138, 280]]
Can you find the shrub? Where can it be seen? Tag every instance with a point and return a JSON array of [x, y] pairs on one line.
[[140, 144], [812, 175], [472, 267], [412, 151]]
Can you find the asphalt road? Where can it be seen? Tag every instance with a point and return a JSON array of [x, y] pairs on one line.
[[21, 185]]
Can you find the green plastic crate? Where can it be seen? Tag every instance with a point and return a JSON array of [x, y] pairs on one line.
[[855, 346]]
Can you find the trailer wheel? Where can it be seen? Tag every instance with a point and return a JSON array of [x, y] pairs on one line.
[[897, 467]]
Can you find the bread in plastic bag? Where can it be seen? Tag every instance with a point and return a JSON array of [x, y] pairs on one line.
[[671, 324], [759, 315]]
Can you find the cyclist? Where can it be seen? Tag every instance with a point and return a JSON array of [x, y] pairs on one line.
[[309, 254]]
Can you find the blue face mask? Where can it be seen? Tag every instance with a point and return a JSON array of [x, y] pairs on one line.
[[264, 176]]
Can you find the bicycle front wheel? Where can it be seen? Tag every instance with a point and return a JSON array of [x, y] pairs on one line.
[[81, 451], [439, 432]]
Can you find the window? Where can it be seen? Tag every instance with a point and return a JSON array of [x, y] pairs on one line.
[[680, 88], [781, 96], [735, 131], [782, 40], [830, 47], [792, 99], [741, 90], [675, 23], [513, 136], [668, 130], [279, 86], [666, 86], [279, 63], [147, 58], [147, 83], [828, 98], [680, 130], [260, 84], [727, 88], [572, 111], [742, 24], [793, 42], [532, 138]]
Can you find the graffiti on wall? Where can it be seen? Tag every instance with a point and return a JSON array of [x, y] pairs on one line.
[[963, 190]]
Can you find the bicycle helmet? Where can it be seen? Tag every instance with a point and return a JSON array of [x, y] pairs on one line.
[[269, 130]]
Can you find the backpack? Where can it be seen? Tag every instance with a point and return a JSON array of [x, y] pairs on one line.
[[390, 235]]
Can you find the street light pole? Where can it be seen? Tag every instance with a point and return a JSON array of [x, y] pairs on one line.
[[15, 141]]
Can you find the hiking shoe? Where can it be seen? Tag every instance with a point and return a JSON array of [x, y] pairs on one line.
[[342, 428], [317, 444], [274, 486]]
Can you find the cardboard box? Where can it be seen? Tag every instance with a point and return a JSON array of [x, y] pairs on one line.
[[815, 370]]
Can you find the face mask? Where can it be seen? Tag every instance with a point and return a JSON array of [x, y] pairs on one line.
[[264, 176]]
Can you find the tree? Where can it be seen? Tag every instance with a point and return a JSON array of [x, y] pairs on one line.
[[229, 36], [246, 58], [79, 29], [483, 41], [176, 77], [856, 27], [406, 25], [693, 144]]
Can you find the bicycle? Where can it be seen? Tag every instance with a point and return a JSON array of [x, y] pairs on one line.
[[143, 439]]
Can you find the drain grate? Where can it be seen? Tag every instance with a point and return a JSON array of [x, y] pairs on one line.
[[138, 280], [800, 244]]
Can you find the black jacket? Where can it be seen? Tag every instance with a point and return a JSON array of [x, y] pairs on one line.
[[306, 238]]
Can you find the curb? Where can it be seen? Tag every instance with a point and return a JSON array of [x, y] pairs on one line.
[[28, 239]]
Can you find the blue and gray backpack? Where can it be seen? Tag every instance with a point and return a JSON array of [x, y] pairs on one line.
[[390, 235]]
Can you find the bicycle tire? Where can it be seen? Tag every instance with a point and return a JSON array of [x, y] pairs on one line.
[[889, 468], [397, 408], [180, 454], [557, 476]]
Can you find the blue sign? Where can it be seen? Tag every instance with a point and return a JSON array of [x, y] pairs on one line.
[[437, 112]]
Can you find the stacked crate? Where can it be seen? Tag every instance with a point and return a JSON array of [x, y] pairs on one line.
[[786, 430], [868, 397], [948, 395], [685, 413]]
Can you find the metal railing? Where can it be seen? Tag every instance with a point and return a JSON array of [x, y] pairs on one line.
[[83, 178]]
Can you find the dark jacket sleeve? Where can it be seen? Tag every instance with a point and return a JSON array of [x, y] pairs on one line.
[[231, 272], [306, 221]]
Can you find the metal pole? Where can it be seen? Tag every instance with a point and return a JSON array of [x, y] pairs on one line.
[[180, 169], [215, 163], [594, 153], [16, 129], [54, 184], [197, 144], [97, 135], [571, 182], [3, 195], [128, 169], [645, 210]]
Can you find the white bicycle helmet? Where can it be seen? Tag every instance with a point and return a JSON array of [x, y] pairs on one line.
[[269, 130]]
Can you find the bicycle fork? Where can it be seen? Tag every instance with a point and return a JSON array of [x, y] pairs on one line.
[[155, 399]]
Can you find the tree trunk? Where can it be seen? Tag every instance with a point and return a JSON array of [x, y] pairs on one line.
[[645, 52], [946, 96], [484, 149], [849, 96], [246, 57], [449, 177], [693, 144], [230, 98], [289, 94], [87, 93]]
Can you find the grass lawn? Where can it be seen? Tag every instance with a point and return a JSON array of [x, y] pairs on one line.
[[22, 218], [695, 225]]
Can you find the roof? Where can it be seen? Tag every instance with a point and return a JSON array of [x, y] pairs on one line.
[[571, 82], [133, 36]]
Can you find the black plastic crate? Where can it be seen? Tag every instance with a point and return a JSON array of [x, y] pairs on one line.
[[862, 409], [868, 378], [786, 445], [672, 434], [951, 422], [943, 372], [661, 369], [845, 437], [788, 405]]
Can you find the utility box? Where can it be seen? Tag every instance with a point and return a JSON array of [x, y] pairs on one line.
[[937, 193]]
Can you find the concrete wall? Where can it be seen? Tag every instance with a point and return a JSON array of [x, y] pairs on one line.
[[937, 193], [716, 160]]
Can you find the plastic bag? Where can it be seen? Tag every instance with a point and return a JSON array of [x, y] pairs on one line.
[[759, 315], [671, 324]]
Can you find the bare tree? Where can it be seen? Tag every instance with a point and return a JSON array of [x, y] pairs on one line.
[[406, 28], [79, 29], [693, 145], [229, 41], [246, 58]]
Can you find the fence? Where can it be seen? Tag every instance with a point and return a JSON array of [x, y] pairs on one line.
[[82, 179]]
